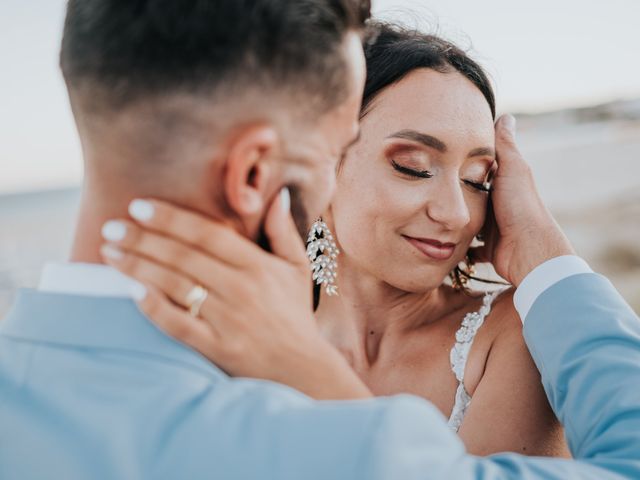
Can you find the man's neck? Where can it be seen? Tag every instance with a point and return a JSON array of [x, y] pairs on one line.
[[109, 199], [94, 212]]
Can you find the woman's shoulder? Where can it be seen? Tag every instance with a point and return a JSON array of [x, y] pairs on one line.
[[503, 327], [499, 342], [504, 311], [498, 307], [502, 319], [506, 385], [495, 310], [498, 336], [492, 314]]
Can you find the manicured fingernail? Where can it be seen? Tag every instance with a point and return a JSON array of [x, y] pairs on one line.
[[138, 292], [114, 231], [285, 199], [509, 121], [111, 252], [141, 210]]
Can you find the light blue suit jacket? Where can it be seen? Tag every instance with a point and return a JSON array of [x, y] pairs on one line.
[[89, 389]]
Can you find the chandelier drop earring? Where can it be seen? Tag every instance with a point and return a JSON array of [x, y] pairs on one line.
[[323, 253]]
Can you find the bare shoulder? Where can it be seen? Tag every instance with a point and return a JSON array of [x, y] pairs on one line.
[[508, 394], [504, 335], [499, 342], [503, 320], [500, 336]]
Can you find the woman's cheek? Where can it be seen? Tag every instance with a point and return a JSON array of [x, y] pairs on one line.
[[477, 205], [357, 214]]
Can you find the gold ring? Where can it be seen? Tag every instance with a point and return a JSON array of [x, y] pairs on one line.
[[195, 298]]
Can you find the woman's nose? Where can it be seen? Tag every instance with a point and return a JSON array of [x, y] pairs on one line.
[[447, 205]]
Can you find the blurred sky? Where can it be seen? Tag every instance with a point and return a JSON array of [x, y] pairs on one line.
[[542, 55]]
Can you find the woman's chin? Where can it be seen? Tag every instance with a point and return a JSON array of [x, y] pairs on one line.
[[417, 282]]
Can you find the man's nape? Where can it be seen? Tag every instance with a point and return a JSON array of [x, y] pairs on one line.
[[160, 106]]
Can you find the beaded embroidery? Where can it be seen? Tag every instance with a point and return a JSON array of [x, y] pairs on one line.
[[459, 354]]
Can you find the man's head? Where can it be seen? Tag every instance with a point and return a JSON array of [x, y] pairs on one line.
[[215, 104]]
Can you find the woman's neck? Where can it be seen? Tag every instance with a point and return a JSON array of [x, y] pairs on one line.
[[369, 314]]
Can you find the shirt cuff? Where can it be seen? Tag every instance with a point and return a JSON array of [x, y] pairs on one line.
[[545, 276]]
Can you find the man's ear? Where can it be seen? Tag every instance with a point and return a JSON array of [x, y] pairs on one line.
[[248, 170]]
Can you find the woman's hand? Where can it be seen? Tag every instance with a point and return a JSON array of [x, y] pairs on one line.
[[257, 319]]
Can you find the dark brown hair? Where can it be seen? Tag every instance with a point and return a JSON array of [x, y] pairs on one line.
[[393, 51]]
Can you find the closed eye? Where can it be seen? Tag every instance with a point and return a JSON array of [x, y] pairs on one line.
[[411, 172], [482, 187]]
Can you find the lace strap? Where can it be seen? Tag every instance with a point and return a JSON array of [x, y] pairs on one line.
[[460, 353], [467, 333]]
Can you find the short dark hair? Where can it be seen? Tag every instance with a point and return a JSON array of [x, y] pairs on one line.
[[393, 51], [124, 50]]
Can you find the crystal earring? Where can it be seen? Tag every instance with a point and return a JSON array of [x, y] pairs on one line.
[[323, 253]]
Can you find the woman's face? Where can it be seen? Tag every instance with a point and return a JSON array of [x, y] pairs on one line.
[[411, 193]]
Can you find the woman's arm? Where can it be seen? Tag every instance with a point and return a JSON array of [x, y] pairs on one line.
[[257, 320], [509, 410]]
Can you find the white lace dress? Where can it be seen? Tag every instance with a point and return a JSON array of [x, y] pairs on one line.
[[459, 354]]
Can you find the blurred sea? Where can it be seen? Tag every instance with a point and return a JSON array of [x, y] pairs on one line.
[[36, 228], [586, 162]]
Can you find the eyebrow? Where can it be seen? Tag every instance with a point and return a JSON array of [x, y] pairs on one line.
[[422, 138], [433, 142], [482, 151]]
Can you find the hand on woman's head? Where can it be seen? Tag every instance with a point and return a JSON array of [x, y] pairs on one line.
[[521, 233]]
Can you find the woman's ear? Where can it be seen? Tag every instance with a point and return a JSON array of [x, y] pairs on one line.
[[247, 173]]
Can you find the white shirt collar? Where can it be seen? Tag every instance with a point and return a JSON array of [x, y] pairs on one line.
[[86, 279]]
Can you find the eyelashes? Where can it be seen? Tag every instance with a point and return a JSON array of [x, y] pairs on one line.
[[410, 171], [484, 187]]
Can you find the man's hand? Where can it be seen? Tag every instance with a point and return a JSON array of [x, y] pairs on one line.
[[520, 233]]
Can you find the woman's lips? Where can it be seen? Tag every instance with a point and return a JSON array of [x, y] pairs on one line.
[[433, 249]]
